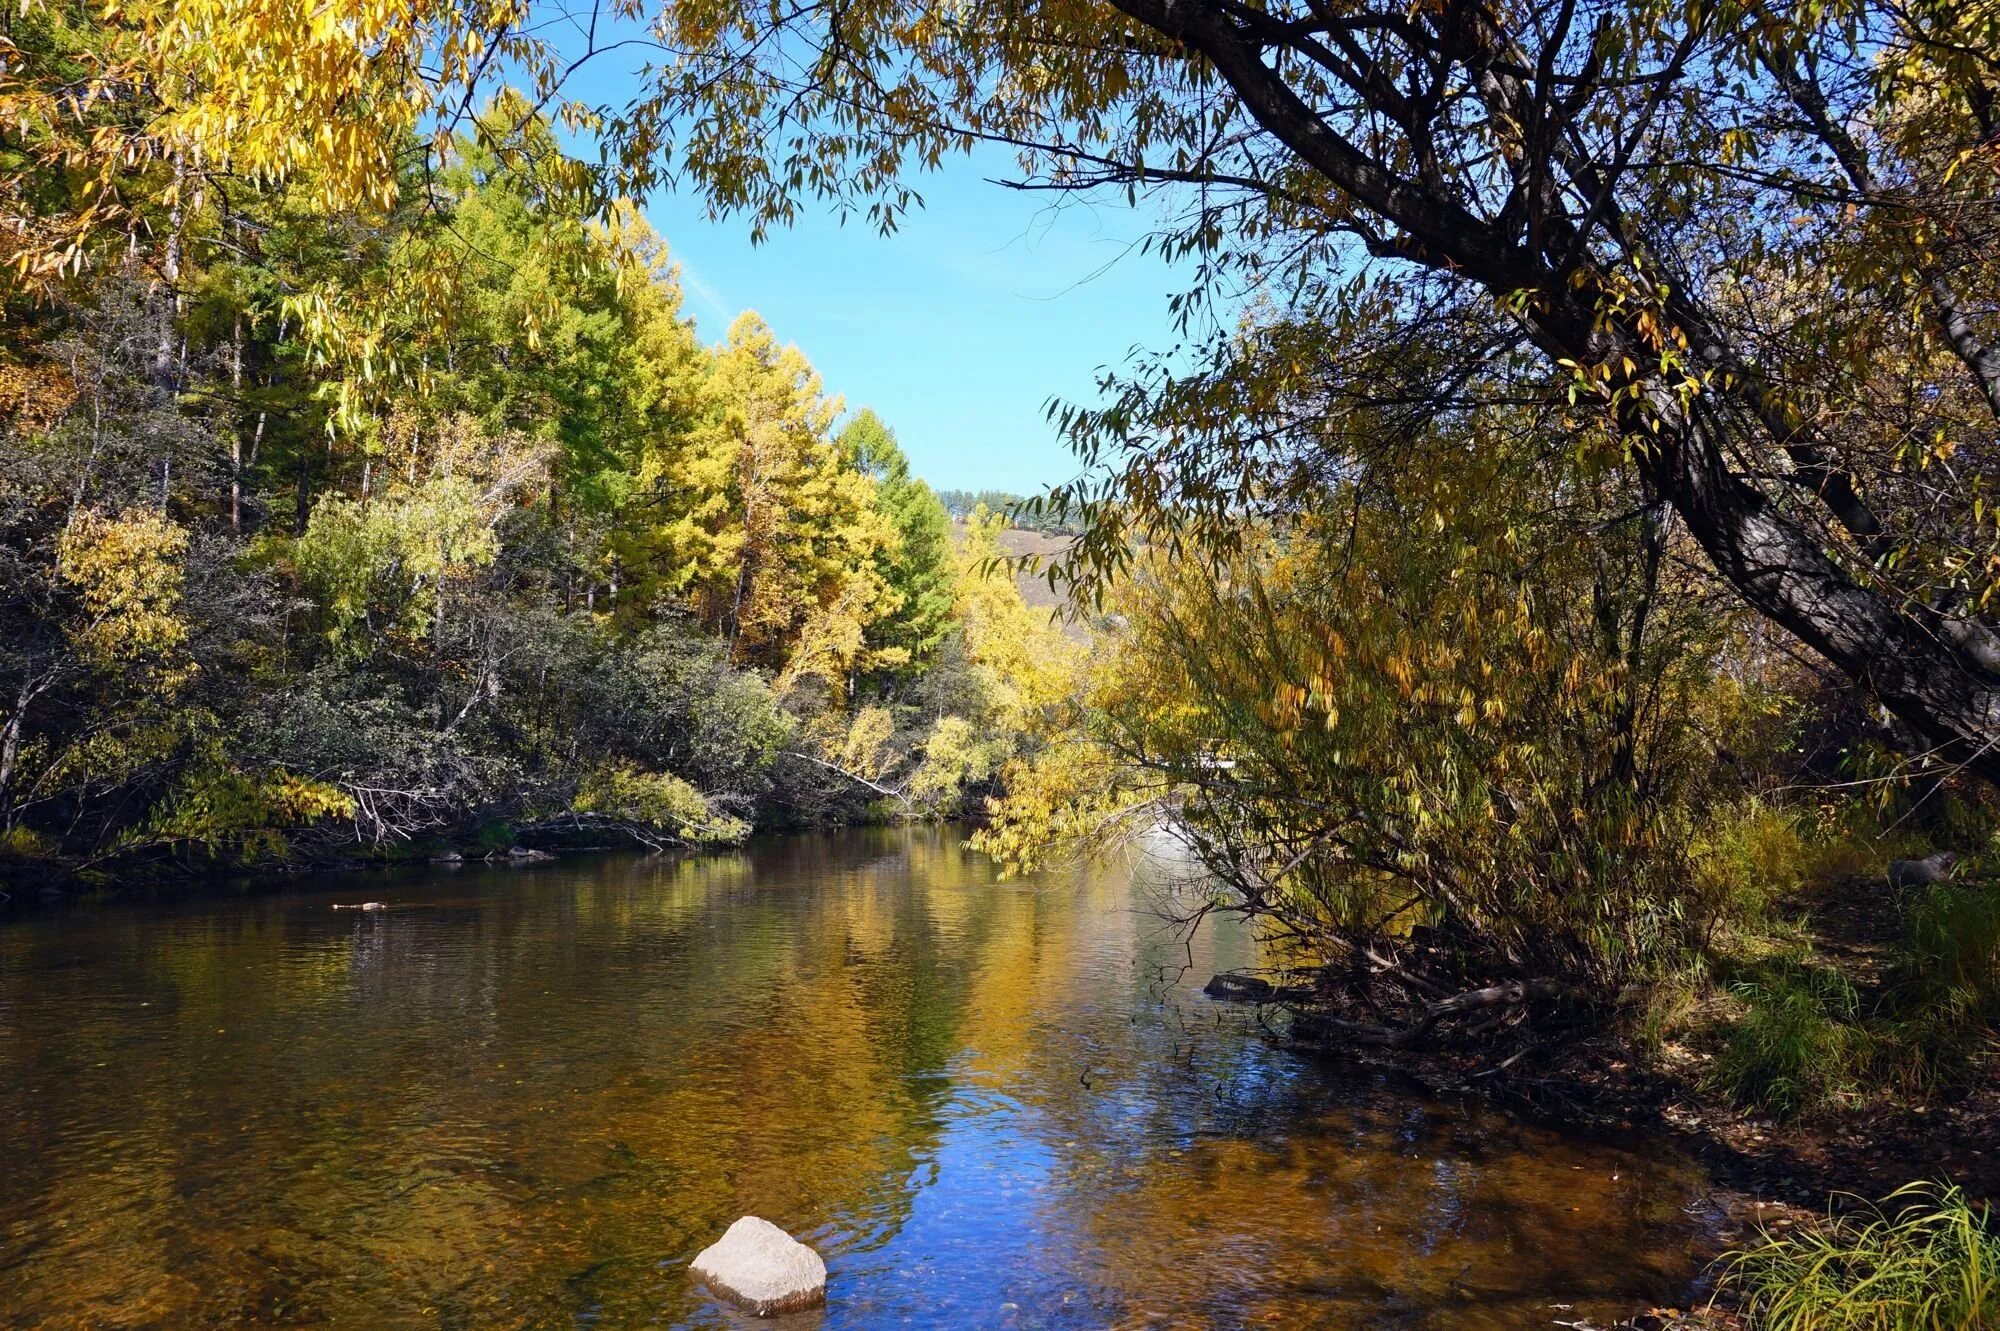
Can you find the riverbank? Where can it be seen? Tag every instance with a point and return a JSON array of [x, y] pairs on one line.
[[1834, 1045], [1773, 1176], [1765, 1169], [1770, 1180], [28, 883]]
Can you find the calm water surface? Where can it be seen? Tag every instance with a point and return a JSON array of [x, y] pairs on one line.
[[525, 1098]]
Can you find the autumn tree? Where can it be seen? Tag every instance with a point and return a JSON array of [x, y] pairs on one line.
[[786, 559], [390, 524], [1751, 243]]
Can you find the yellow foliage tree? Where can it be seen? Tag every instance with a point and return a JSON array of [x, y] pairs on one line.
[[1025, 661], [127, 572], [389, 560], [773, 538]]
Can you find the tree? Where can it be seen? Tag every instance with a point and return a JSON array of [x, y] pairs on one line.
[[783, 543], [1753, 244], [1499, 732], [919, 567]]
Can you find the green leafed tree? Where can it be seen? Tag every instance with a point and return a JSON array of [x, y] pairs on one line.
[[919, 567]]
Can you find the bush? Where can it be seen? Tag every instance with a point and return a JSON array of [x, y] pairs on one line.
[[1661, 1009], [1931, 1264], [25, 844], [1750, 856], [1944, 990]]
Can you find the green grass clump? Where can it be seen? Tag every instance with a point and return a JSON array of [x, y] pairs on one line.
[[1925, 1259], [1950, 957], [1799, 1042]]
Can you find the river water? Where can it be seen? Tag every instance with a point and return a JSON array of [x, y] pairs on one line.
[[525, 1098]]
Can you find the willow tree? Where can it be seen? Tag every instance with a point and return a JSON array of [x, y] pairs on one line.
[[1754, 242]]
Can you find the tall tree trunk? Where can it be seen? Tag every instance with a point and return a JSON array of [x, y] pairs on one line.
[[166, 369], [1897, 652], [236, 434], [10, 739]]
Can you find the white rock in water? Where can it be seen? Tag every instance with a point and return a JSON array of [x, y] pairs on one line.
[[762, 1268]]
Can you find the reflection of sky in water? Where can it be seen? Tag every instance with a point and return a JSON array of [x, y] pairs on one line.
[[526, 1098]]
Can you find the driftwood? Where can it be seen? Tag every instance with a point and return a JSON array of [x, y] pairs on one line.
[[1497, 1005], [1232, 986], [649, 835], [1248, 988]]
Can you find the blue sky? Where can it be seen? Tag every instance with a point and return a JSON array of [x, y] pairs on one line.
[[959, 328]]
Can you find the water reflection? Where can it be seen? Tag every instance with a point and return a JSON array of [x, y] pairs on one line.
[[525, 1098]]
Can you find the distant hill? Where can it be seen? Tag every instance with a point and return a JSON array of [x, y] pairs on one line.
[[1033, 586], [960, 503]]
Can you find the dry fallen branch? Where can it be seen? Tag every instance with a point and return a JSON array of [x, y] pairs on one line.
[[1502, 1004]]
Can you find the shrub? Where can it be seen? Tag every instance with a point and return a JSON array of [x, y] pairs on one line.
[[657, 801], [1664, 1007], [1944, 989], [1749, 857], [1930, 1264], [21, 843]]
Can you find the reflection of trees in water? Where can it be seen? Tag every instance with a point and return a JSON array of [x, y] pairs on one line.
[[514, 1097], [1206, 1183], [1310, 1211]]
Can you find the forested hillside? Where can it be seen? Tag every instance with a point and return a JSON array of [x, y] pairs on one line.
[[330, 535]]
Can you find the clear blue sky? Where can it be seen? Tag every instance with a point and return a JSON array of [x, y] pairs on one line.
[[958, 328]]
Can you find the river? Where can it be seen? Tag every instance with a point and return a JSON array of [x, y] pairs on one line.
[[526, 1097]]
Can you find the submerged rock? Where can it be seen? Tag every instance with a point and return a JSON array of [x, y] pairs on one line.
[[523, 855], [762, 1269]]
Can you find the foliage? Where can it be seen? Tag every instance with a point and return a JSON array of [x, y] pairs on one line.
[[1361, 732], [127, 575], [1740, 256], [954, 759], [392, 513], [1806, 1038], [244, 812], [384, 564], [658, 800], [1068, 796], [1798, 1043], [1925, 1259], [1942, 999], [1950, 956], [1025, 665], [919, 568], [936, 744], [1748, 859]]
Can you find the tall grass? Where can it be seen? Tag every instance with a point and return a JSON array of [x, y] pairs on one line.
[[1798, 1043], [1950, 955], [1925, 1259]]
